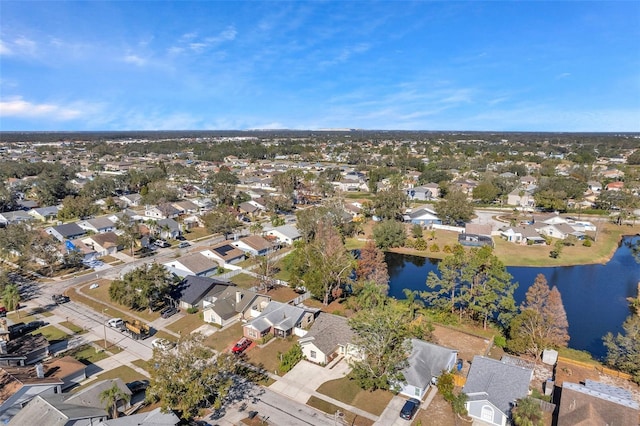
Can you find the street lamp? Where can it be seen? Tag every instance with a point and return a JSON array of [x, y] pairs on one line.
[[104, 325]]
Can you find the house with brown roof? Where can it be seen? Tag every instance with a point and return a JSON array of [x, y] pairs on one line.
[[224, 253], [232, 304], [595, 403], [255, 245], [103, 244]]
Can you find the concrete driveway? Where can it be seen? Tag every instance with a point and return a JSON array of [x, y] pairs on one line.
[[300, 383], [391, 415]]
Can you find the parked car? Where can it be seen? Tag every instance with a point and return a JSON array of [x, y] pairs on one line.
[[183, 244], [162, 344], [93, 286], [241, 345], [161, 243], [59, 299], [116, 323], [138, 385], [409, 409], [168, 311]]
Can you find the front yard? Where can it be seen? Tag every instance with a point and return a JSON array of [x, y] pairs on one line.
[[267, 356], [347, 391]]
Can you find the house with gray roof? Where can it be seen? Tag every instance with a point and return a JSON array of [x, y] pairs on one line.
[[99, 225], [422, 216], [595, 403], [329, 337], [280, 319], [44, 214], [526, 234], [192, 264], [560, 230], [18, 216], [232, 304], [152, 418], [285, 234], [68, 231], [168, 228], [425, 364], [192, 290], [492, 387]]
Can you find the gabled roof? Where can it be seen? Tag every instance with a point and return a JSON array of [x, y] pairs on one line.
[[328, 331], [278, 315], [52, 410], [226, 251], [226, 304], [596, 403], [288, 231], [90, 396], [192, 289], [152, 418], [170, 223], [106, 239], [197, 263], [497, 382], [427, 360], [257, 242], [100, 223], [69, 229]]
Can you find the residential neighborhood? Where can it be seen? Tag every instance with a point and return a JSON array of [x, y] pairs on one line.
[[130, 259]]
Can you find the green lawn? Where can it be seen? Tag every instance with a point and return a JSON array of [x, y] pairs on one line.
[[244, 280], [74, 328], [87, 354], [348, 391], [126, 374], [267, 357], [104, 302], [52, 333], [350, 418], [186, 324], [224, 339]]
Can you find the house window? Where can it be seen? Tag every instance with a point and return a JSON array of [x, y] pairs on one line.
[[417, 392], [487, 413], [313, 354]]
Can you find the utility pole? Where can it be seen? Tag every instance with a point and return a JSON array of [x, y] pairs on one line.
[[104, 325]]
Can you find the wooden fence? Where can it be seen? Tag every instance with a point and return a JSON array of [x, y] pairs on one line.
[[598, 368]]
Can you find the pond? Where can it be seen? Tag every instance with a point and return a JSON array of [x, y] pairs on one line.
[[594, 296]]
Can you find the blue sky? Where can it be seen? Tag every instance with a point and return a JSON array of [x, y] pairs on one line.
[[522, 66]]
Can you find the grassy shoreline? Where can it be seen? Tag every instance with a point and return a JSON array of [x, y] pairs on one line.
[[512, 254]]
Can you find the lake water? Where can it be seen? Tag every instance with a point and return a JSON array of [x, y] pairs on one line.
[[594, 296]]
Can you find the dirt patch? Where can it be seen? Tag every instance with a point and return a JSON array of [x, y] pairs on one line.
[[467, 345], [282, 294], [574, 373], [439, 413]]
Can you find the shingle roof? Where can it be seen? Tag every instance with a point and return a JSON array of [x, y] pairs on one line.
[[499, 383], [427, 360], [328, 331], [69, 229], [193, 288], [196, 263]]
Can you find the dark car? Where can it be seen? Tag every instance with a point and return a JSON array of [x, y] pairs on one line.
[[168, 311], [138, 385], [409, 409], [241, 346], [60, 298]]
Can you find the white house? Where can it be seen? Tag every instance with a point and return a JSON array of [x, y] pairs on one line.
[[426, 363], [233, 304], [192, 264], [329, 336], [285, 234]]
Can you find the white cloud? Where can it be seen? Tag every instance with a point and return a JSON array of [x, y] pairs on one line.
[[4, 49], [17, 107], [135, 59], [25, 45]]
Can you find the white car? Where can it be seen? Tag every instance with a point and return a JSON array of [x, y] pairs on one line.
[[162, 344], [116, 323]]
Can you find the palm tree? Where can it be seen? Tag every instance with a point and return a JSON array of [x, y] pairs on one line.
[[11, 298], [111, 397], [528, 413]]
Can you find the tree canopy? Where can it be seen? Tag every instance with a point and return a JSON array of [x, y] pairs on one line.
[[454, 207], [145, 287]]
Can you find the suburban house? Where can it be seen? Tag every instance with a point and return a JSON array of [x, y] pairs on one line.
[[99, 225], [24, 350], [478, 229], [68, 231], [420, 193], [426, 363], [595, 403], [131, 200], [152, 418], [525, 234], [19, 385], [285, 234], [162, 211], [186, 207], [249, 208], [44, 214], [280, 319], [103, 244], [18, 216], [84, 407], [521, 198], [329, 337], [255, 245], [126, 216], [422, 216], [192, 264], [493, 387], [168, 228], [193, 290], [561, 231], [224, 253], [232, 304], [87, 251]]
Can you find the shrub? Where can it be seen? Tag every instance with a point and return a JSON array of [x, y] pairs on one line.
[[447, 249], [289, 359], [586, 242], [500, 341], [420, 244], [192, 310], [434, 248]]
